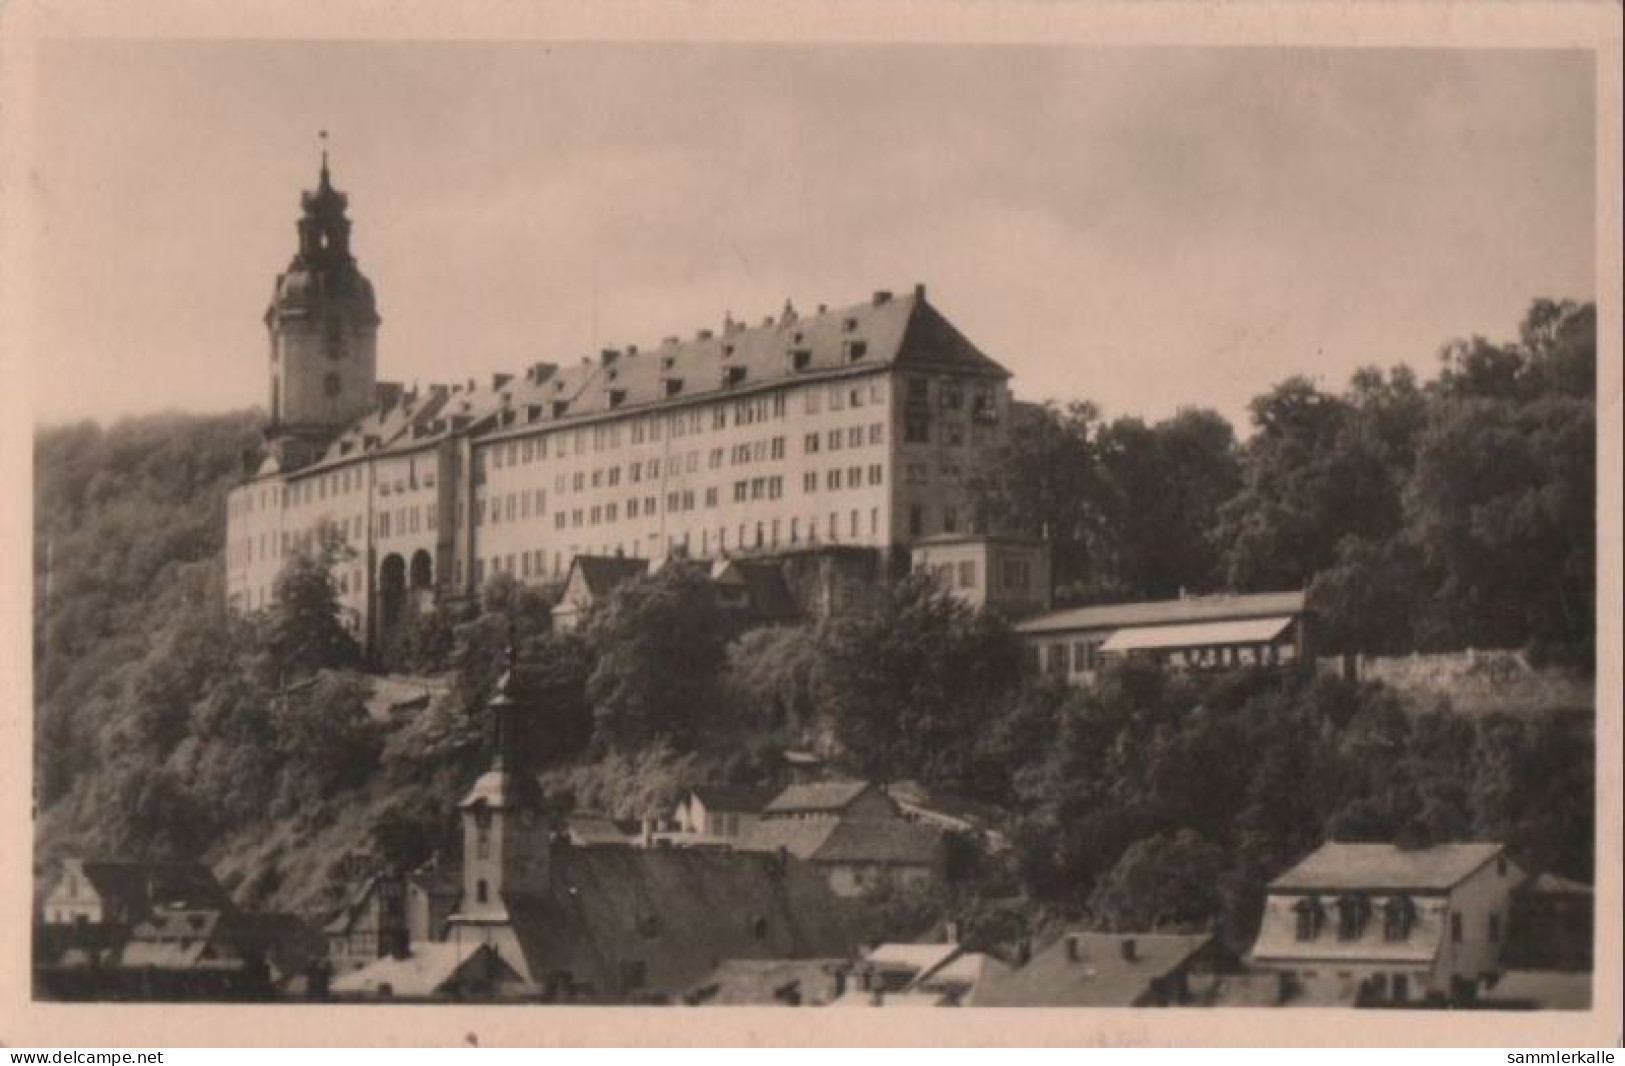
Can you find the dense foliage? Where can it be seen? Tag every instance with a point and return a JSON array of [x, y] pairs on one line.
[[1442, 514]]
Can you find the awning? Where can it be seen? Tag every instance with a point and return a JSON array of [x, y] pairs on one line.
[[1197, 635]]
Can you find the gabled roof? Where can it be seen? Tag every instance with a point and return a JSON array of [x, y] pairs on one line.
[[181, 939], [1226, 607], [767, 593], [745, 799], [676, 913], [903, 331], [1377, 867], [892, 842], [429, 969], [829, 797], [134, 888], [768, 982], [794, 836], [1101, 976], [603, 574]]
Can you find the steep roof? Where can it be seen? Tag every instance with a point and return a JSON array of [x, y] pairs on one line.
[[134, 888], [1226, 607], [766, 591], [903, 330], [1101, 976], [603, 574], [182, 938], [430, 967], [817, 796], [795, 836], [747, 799], [676, 913], [893, 842], [768, 982], [1375, 867]]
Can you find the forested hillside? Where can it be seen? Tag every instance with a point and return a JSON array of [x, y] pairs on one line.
[[1442, 514]]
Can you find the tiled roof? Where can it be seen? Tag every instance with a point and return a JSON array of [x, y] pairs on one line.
[[747, 799], [676, 913], [795, 836], [829, 796], [603, 574], [768, 982], [132, 888], [1374, 867], [1167, 612], [904, 330], [767, 592], [428, 969], [1101, 976], [893, 842]]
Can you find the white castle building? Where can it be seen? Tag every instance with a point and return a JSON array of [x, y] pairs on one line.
[[850, 426]]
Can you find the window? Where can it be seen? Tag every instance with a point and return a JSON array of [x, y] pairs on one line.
[[950, 520], [809, 481], [1455, 928], [916, 520], [916, 431], [1351, 914], [854, 437], [833, 479], [1055, 659], [482, 892], [967, 574], [1396, 918], [1307, 913], [810, 445]]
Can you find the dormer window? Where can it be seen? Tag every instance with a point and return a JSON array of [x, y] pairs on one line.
[[856, 350], [850, 325], [733, 375], [1397, 916], [801, 358], [674, 386], [1351, 916], [667, 362], [1308, 915], [617, 397], [727, 351], [560, 408]]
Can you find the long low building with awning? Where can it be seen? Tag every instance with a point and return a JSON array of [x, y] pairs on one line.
[[1193, 632]]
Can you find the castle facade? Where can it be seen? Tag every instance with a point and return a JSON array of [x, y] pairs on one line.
[[848, 426]]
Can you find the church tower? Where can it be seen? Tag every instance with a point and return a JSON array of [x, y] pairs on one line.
[[323, 325], [506, 836]]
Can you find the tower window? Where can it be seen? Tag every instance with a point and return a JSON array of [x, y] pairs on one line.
[[332, 384]]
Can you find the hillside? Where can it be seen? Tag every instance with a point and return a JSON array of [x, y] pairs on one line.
[[167, 728]]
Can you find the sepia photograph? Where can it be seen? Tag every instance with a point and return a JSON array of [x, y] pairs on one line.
[[814, 521]]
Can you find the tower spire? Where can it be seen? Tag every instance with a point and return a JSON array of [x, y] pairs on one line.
[[326, 182]]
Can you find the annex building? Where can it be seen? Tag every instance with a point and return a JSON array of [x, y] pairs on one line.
[[845, 427]]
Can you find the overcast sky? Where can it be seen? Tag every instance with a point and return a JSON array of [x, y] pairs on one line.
[[1146, 228]]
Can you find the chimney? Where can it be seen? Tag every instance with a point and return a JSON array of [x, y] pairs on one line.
[[648, 830], [919, 290], [1129, 949], [950, 932], [703, 335], [882, 296], [1074, 950], [608, 356]]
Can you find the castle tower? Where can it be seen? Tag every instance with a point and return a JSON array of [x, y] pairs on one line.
[[506, 838], [323, 325]]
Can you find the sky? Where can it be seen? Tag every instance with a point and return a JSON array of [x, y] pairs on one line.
[[1145, 228]]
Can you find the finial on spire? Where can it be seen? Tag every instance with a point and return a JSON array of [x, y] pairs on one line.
[[323, 135]]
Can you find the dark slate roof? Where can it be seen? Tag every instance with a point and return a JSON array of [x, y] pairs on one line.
[[767, 593], [904, 331], [747, 799], [796, 836], [768, 982], [138, 887], [1373, 867], [679, 912], [1228, 607], [1101, 977], [893, 842], [181, 939], [603, 574], [828, 796]]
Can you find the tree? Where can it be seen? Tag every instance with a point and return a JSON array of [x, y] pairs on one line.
[[910, 681], [304, 630], [1163, 486], [1161, 882], [660, 644], [1044, 480]]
